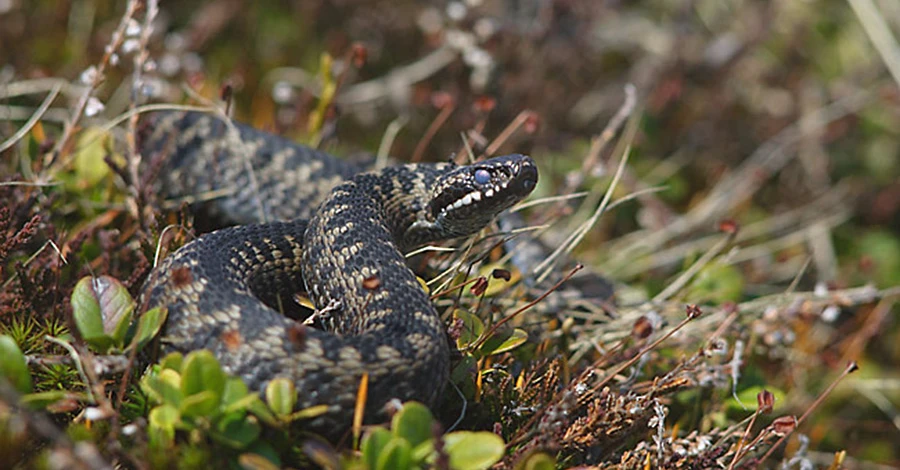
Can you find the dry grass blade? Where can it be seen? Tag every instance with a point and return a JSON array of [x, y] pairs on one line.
[[545, 268], [742, 183], [32, 120], [878, 31]]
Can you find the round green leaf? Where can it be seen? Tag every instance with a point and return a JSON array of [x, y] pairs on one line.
[[173, 361], [13, 365], [537, 461], [473, 450], [281, 396], [254, 461], [86, 311], [237, 430], [163, 387], [203, 403], [102, 298], [161, 424], [414, 423], [373, 444], [201, 373], [235, 395], [395, 455]]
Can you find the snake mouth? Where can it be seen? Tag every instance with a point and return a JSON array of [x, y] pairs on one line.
[[482, 190]]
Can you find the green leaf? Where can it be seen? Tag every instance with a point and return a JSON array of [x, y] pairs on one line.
[[173, 361], [395, 455], [148, 326], [498, 286], [90, 168], [373, 444], [504, 341], [161, 423], [163, 387], [265, 450], [413, 422], [41, 400], [261, 411], [473, 450], [537, 461], [103, 299], [472, 328], [235, 395], [88, 319], [13, 365], [422, 452], [254, 461], [281, 396], [202, 373], [237, 430], [308, 413], [203, 403]]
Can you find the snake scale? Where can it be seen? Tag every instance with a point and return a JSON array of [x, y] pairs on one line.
[[339, 234]]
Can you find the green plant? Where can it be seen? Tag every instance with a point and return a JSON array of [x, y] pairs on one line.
[[411, 443], [103, 310], [193, 393], [13, 366]]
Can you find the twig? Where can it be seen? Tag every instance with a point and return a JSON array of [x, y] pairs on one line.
[[851, 367], [35, 255], [599, 143], [525, 307], [621, 326], [439, 120], [118, 36], [134, 157], [508, 131], [31, 183]]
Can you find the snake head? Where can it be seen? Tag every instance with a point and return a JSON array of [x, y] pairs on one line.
[[467, 198]]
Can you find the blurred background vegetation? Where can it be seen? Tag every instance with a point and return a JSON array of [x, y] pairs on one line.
[[781, 116]]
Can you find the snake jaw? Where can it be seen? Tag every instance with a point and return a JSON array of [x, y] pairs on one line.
[[469, 197]]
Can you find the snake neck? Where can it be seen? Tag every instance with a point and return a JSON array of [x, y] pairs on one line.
[[352, 258]]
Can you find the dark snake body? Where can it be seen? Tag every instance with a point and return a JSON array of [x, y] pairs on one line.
[[224, 290]]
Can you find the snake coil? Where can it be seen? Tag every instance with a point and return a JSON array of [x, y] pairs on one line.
[[341, 239]]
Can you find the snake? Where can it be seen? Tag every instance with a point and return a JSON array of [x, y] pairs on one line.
[[309, 222]]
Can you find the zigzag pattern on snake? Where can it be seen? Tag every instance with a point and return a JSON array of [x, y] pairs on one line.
[[341, 236]]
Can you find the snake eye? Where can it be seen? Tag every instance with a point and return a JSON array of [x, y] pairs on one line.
[[482, 176]]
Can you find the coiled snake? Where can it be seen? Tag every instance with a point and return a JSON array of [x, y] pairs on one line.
[[344, 246]]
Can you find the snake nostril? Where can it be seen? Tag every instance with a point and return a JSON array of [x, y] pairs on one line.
[[529, 176]]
